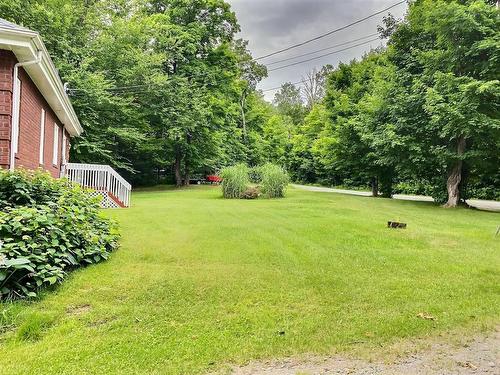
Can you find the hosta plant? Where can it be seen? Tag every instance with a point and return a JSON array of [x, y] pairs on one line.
[[41, 242]]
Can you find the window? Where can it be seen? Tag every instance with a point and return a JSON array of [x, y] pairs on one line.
[[42, 136], [55, 147]]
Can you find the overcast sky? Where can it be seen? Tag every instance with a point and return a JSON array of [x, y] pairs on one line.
[[270, 25]]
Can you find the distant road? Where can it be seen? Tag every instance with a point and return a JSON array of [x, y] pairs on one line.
[[477, 203]]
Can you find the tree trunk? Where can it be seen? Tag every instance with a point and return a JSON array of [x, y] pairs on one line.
[[455, 176], [177, 169], [186, 173], [374, 184]]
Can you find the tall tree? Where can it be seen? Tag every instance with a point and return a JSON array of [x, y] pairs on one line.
[[288, 101], [251, 74], [446, 100], [315, 85]]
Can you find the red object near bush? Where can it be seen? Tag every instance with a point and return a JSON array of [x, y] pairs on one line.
[[213, 178]]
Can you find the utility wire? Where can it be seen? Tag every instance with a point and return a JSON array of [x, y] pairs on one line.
[[141, 86], [322, 49], [122, 88], [130, 89], [321, 56], [279, 87], [330, 32]]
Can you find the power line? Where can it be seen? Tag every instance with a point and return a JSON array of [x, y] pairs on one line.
[[119, 88], [279, 87], [319, 57], [330, 32], [125, 89], [322, 49]]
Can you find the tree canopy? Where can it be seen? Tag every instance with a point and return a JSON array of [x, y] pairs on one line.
[[165, 90]]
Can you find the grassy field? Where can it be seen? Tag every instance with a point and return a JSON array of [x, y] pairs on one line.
[[201, 282]]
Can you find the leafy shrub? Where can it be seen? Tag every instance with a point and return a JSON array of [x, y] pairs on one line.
[[254, 175], [251, 193], [47, 228], [437, 189], [483, 192], [234, 181], [274, 180], [24, 187], [413, 187]]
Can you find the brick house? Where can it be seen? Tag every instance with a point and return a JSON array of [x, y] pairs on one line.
[[37, 120]]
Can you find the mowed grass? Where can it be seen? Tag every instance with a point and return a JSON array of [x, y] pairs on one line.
[[201, 282]]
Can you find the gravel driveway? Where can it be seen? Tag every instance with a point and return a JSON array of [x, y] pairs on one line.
[[476, 203], [481, 356]]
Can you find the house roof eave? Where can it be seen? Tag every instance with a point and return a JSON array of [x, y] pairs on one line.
[[25, 45]]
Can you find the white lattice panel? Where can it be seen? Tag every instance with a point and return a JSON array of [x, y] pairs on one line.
[[106, 201]]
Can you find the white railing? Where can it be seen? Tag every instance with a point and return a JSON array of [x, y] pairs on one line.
[[100, 178]]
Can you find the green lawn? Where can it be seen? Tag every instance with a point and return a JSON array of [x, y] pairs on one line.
[[200, 282]]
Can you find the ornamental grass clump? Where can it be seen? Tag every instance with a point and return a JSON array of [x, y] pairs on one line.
[[47, 228], [274, 180], [235, 181]]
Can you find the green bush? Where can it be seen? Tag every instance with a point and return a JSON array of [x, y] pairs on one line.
[[24, 187], [47, 228], [254, 175], [483, 192], [235, 181], [274, 180]]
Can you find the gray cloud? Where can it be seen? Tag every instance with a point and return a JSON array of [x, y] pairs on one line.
[[270, 25]]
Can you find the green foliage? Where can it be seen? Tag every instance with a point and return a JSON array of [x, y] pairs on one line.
[[187, 81], [483, 192], [235, 181], [288, 101], [25, 187], [309, 159], [191, 106], [255, 175], [274, 180], [444, 100], [426, 108], [413, 187], [47, 228]]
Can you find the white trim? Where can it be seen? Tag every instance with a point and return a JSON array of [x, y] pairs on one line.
[[55, 145], [26, 45], [42, 137], [16, 106], [63, 147]]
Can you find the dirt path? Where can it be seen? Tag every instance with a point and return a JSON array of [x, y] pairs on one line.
[[480, 356], [479, 204]]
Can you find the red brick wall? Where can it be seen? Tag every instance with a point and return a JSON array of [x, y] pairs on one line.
[[7, 61], [32, 103]]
